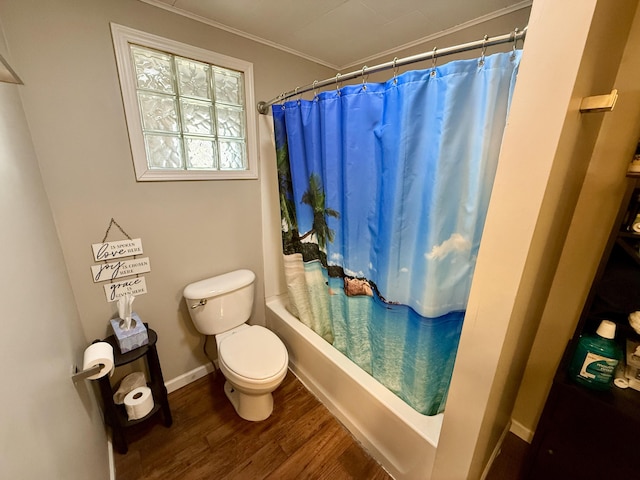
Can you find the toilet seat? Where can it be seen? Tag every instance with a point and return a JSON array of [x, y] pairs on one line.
[[254, 353]]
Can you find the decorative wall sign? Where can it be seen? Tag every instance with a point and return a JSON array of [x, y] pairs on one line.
[[131, 286], [111, 250], [110, 270], [121, 268]]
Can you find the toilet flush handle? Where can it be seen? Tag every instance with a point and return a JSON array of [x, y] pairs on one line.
[[200, 303]]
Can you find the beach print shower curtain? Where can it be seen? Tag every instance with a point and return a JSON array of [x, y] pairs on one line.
[[384, 190]]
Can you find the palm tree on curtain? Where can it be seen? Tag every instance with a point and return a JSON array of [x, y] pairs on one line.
[[287, 207], [315, 198]]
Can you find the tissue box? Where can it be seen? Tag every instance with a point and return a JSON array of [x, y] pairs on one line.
[[130, 339]]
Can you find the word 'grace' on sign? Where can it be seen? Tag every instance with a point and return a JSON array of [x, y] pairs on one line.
[[133, 286], [121, 248], [121, 268]]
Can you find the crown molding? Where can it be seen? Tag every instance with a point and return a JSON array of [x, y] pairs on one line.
[[476, 21]]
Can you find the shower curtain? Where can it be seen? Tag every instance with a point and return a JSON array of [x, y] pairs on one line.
[[384, 190]]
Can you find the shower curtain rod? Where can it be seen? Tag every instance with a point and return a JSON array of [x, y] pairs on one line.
[[263, 107]]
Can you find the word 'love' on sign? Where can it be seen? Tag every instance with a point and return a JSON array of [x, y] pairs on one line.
[[121, 248]]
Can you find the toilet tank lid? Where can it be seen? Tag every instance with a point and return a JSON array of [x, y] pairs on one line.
[[211, 287]]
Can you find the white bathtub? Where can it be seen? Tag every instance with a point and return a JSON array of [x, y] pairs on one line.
[[403, 441]]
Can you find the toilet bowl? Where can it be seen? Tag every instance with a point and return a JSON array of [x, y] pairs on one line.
[[253, 359], [254, 362]]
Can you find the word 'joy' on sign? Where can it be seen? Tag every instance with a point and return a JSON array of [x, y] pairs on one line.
[[133, 286], [121, 248], [121, 268]]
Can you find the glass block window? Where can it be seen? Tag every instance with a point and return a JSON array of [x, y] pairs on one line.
[[186, 109]]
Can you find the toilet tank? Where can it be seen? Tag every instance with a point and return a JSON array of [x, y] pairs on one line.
[[220, 303]]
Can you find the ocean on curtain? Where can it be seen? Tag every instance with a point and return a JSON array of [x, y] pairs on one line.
[[384, 190]]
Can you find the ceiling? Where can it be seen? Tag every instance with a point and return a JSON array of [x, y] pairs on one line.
[[342, 33]]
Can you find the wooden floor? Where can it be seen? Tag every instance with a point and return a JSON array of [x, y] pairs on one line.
[[301, 440], [208, 440], [508, 465]]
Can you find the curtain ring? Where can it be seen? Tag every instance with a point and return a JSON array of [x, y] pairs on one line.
[[484, 50], [338, 83], [433, 61], [515, 42], [315, 90], [364, 77], [395, 70], [295, 93], [282, 97]]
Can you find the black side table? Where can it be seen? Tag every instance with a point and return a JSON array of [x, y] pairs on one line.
[[115, 415]]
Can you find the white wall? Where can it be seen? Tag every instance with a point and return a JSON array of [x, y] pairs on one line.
[[49, 428], [545, 153], [190, 230], [597, 206]]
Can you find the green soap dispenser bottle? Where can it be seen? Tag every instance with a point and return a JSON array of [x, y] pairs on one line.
[[596, 358]]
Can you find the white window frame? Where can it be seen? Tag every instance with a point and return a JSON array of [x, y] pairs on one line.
[[123, 37]]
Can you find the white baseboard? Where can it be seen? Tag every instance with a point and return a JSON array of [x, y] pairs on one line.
[[186, 378], [112, 461], [517, 429], [521, 431], [495, 453]]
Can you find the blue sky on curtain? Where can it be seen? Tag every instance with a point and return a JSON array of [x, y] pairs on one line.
[[384, 190]]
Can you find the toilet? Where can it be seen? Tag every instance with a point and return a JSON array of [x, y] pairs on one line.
[[252, 358]]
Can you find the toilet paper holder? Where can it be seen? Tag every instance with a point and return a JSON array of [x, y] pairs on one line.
[[80, 375]]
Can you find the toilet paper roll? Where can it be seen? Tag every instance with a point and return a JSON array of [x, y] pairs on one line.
[[96, 353], [138, 403], [128, 384]]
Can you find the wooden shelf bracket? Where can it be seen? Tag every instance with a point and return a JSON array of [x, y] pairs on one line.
[[599, 103]]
